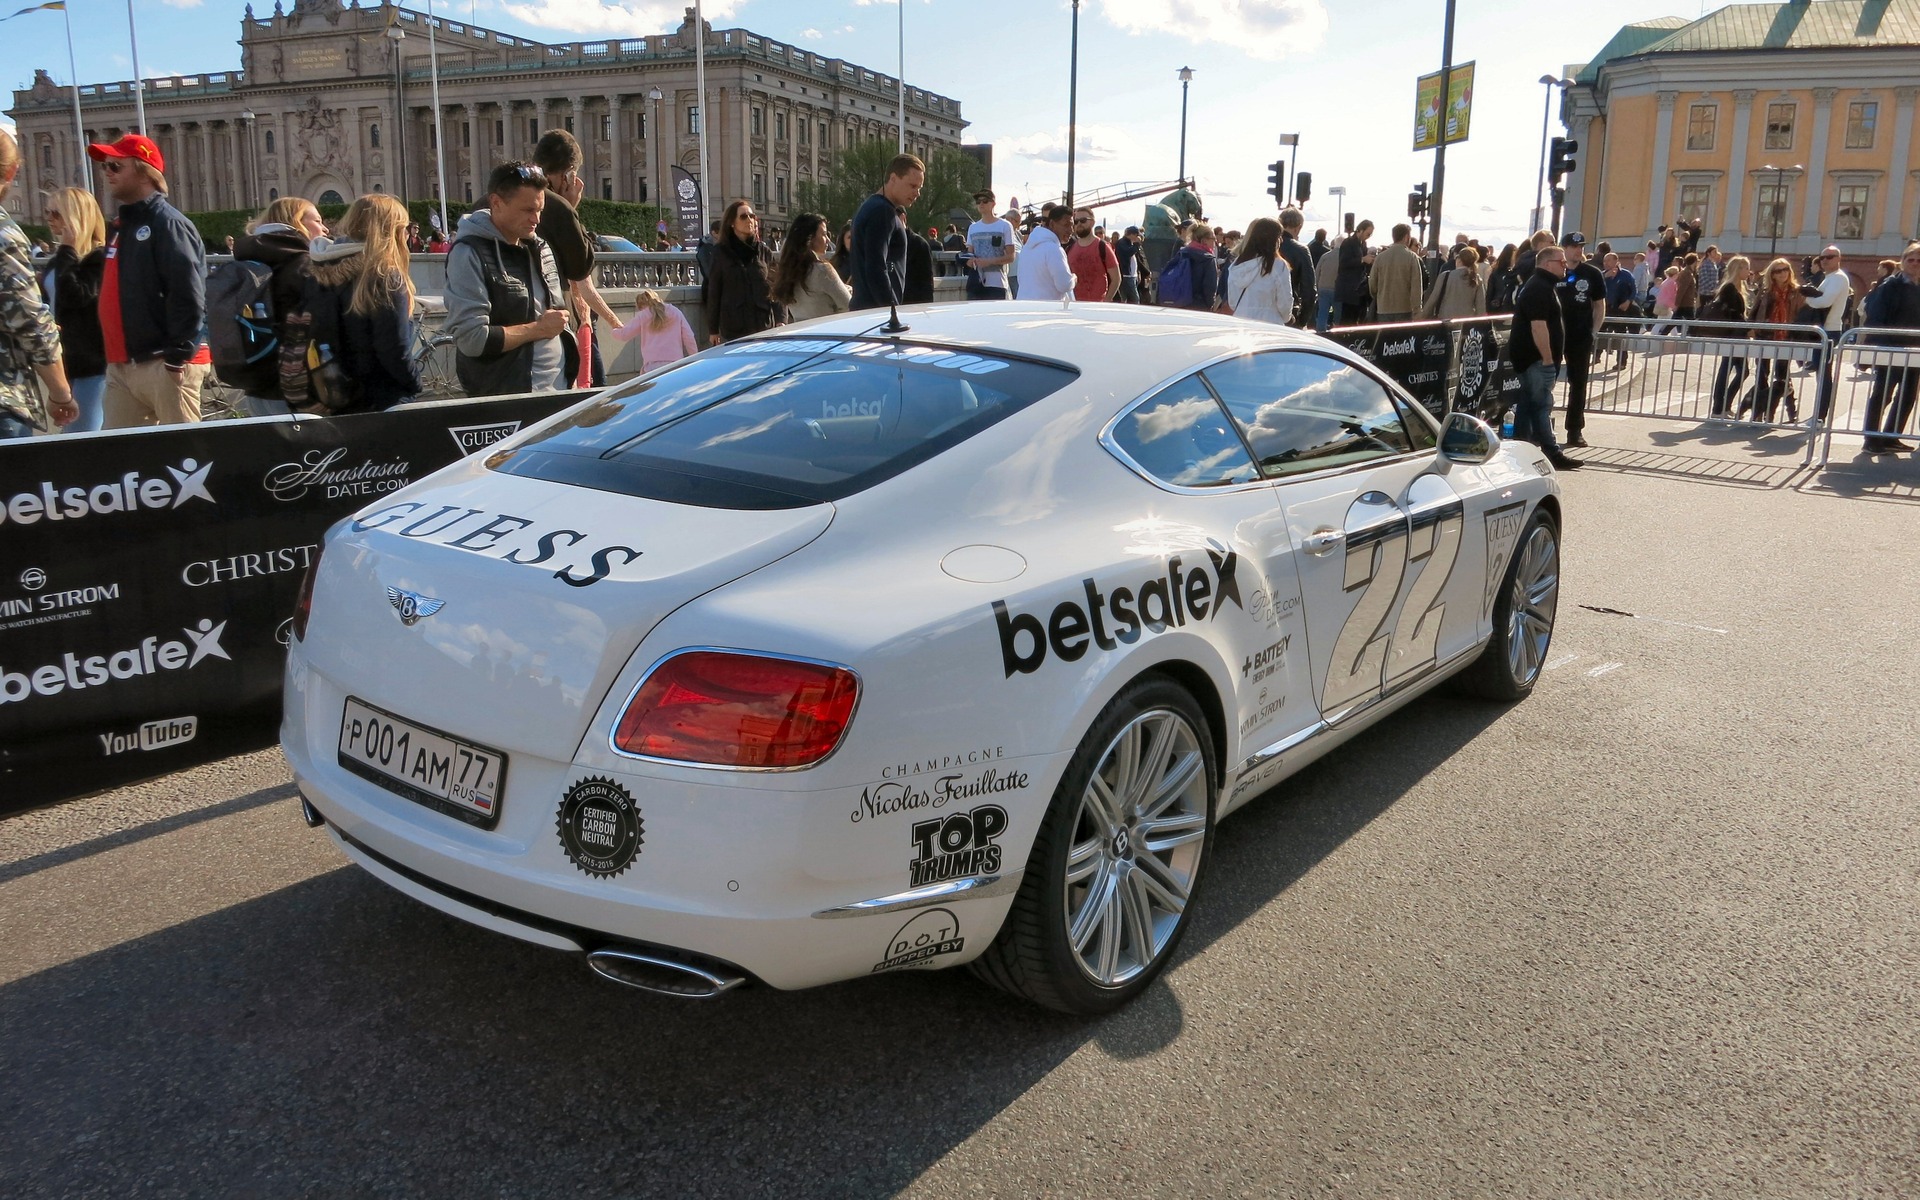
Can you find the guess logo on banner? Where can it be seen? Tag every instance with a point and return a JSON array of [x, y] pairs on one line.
[[478, 437]]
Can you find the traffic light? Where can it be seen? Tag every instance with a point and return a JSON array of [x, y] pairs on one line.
[[1417, 202], [1277, 182], [1302, 187], [1560, 162], [1346, 222]]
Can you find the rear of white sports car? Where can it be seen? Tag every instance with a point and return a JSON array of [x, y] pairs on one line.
[[616, 695]]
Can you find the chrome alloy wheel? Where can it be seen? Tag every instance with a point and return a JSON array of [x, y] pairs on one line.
[[1136, 846], [1535, 599]]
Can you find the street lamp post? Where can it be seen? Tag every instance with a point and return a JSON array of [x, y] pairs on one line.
[[1340, 213], [653, 143], [396, 35], [1073, 98], [1546, 111], [439, 135], [1186, 78], [246, 160], [1779, 205]]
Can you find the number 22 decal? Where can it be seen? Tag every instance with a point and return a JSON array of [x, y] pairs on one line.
[[1366, 656]]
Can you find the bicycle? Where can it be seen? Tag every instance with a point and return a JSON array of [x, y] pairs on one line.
[[432, 361]]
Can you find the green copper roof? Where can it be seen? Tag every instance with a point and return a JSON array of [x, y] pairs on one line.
[[1807, 25]]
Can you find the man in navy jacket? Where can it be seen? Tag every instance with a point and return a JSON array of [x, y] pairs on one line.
[[880, 237]]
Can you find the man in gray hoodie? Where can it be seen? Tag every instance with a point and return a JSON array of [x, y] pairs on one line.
[[505, 308]]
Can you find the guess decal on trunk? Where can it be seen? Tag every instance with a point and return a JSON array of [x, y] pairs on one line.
[[578, 563], [600, 827], [957, 846], [1180, 596], [928, 936]]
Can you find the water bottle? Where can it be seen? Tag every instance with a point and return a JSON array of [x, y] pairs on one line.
[[1506, 423]]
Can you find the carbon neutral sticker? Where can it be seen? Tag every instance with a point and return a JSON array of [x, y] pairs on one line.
[[600, 827]]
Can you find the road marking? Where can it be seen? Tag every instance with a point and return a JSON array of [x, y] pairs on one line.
[[1620, 612], [1603, 668], [1562, 661]]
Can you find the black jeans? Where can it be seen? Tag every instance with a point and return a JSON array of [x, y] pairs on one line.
[[1353, 314], [1769, 388], [1726, 383], [1579, 364], [1885, 380], [977, 291]]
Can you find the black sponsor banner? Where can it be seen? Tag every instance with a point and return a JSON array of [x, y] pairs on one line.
[[1445, 366], [688, 205], [147, 579]]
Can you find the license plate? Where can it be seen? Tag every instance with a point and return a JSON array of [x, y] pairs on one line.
[[444, 773]]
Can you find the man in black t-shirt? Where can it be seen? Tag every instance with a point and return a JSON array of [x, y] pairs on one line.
[[1536, 345], [1583, 307]]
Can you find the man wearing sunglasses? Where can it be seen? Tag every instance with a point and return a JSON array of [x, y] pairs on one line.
[[1827, 296], [152, 294]]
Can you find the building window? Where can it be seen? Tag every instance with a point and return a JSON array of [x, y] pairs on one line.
[[533, 129], [606, 188], [780, 190], [825, 142], [693, 118], [466, 135], [569, 122], [1694, 198], [273, 193], [759, 122], [1700, 122], [499, 132], [270, 144], [640, 125], [805, 126], [1862, 115], [379, 187], [433, 135], [46, 155], [1850, 218], [1780, 126], [1770, 219], [759, 188], [373, 136], [780, 126], [606, 127]]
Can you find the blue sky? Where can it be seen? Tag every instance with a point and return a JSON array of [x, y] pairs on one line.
[[1340, 73]]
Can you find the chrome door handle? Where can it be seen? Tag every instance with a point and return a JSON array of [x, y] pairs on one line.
[[1324, 541]]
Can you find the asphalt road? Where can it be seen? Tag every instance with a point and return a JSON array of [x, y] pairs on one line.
[[1651, 933]]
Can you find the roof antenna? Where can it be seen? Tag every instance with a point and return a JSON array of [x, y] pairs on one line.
[[893, 324]]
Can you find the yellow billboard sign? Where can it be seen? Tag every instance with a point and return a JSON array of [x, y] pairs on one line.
[[1427, 110]]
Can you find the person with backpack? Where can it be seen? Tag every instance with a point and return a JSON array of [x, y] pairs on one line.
[[359, 301], [248, 300], [1191, 277]]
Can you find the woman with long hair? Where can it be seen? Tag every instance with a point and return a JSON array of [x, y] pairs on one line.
[[1502, 283], [1728, 306], [1255, 289], [71, 284], [1775, 300], [1461, 292], [803, 281], [293, 212], [662, 329], [280, 237], [361, 282], [843, 257], [737, 293], [29, 342]]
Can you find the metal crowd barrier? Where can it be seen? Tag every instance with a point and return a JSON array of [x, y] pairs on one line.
[[1710, 370], [1876, 378]]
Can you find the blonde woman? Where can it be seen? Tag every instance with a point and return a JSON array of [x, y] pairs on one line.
[[71, 285], [29, 343], [361, 288], [662, 329], [1728, 306], [279, 237], [1461, 292]]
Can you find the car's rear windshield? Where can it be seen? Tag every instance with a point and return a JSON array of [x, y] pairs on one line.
[[783, 422]]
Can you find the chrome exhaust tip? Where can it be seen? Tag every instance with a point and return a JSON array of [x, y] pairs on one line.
[[310, 814], [662, 976]]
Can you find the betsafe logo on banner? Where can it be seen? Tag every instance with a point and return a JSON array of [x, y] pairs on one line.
[[60, 501], [150, 657]]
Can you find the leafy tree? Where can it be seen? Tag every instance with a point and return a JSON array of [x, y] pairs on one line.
[[857, 172]]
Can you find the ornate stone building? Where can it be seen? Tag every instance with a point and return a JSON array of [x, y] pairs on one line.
[[1787, 124], [311, 112]]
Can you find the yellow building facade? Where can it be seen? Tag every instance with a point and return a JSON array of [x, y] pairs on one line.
[[1781, 127]]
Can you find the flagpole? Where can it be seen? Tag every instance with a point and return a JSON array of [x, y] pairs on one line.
[[439, 138], [139, 84], [83, 174], [706, 118]]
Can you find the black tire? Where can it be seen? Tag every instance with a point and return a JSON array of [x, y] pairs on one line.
[[1033, 956], [1501, 673]]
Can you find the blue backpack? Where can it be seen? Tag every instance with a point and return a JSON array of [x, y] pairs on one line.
[[1175, 289]]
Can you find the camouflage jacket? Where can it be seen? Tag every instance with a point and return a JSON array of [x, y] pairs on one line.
[[28, 337]]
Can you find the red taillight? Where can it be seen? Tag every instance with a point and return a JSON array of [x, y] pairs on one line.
[[738, 710], [303, 607]]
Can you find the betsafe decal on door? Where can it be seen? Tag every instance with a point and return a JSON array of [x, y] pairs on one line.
[[1184, 592]]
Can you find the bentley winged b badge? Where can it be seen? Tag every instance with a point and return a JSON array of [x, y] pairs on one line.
[[412, 605]]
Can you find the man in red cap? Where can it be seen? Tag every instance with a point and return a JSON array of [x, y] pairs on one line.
[[152, 295]]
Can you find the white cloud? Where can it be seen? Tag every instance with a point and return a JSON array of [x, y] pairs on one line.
[[592, 17], [182, 3], [812, 35], [1096, 143], [1261, 28]]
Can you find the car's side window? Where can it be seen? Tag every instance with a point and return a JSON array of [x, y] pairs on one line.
[[1302, 411], [1180, 436]]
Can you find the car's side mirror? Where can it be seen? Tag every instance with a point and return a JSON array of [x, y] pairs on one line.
[[1468, 439]]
